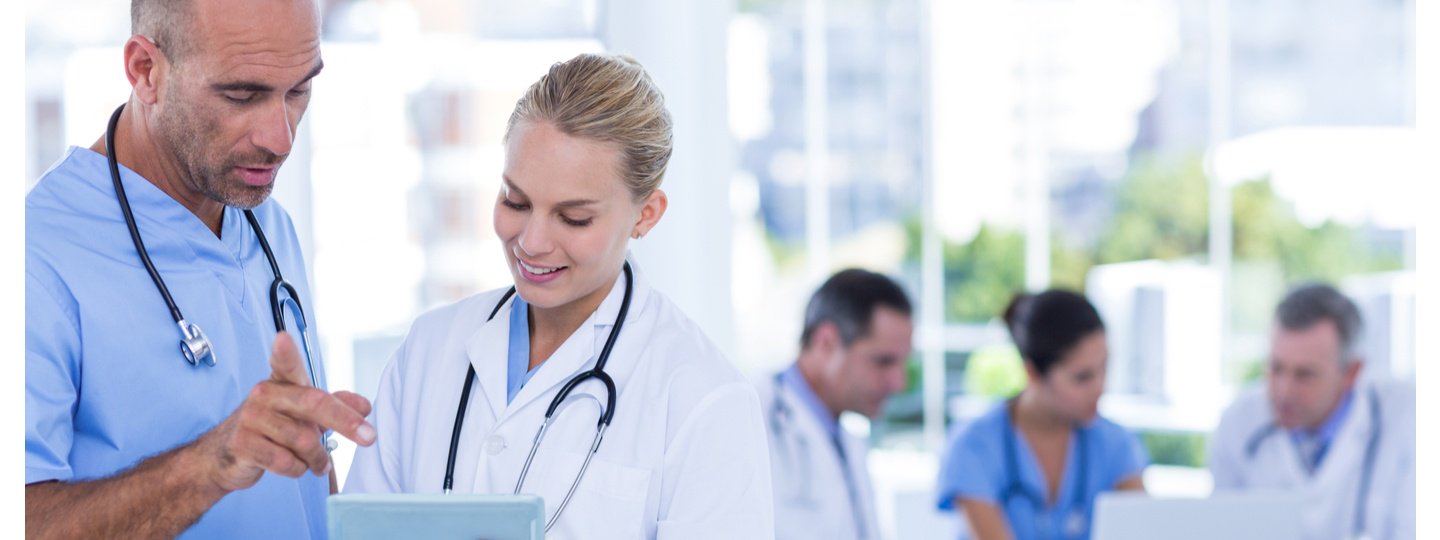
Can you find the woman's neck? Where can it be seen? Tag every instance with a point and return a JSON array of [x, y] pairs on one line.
[[1032, 414], [550, 327]]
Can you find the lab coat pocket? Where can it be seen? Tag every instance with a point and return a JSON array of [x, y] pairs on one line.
[[608, 503]]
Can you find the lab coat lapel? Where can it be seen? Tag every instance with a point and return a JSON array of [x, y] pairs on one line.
[[582, 349], [1281, 460], [858, 450], [1340, 471], [818, 451], [487, 349], [573, 356]]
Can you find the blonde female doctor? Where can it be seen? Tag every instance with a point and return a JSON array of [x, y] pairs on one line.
[[649, 431]]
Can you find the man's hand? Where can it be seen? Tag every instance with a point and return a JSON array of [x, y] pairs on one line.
[[277, 429], [279, 426]]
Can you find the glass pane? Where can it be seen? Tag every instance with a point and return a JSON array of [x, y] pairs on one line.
[[871, 161]]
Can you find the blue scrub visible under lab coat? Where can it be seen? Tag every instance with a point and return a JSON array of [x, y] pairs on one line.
[[105, 383], [974, 467]]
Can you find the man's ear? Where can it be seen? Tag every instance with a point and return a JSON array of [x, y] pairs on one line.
[[146, 68], [1032, 373], [1352, 372], [827, 339]]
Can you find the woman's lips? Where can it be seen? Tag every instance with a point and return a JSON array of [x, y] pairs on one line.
[[536, 273]]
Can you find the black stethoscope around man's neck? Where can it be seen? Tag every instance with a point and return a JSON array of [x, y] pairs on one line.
[[797, 456], [195, 346], [598, 373], [1367, 467]]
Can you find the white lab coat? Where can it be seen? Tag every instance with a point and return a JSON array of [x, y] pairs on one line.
[[684, 456], [1332, 492], [811, 498]]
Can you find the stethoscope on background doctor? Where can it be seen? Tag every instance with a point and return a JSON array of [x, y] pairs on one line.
[[1367, 470], [194, 344], [597, 373], [1074, 525], [797, 459]]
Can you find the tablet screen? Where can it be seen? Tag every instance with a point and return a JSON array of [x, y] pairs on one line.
[[402, 515]]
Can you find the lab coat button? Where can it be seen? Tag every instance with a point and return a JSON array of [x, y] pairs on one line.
[[494, 444]]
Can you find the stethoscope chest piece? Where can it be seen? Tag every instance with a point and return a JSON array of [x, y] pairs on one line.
[[194, 344]]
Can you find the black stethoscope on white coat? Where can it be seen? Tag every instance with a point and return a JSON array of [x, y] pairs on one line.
[[1367, 471], [597, 373], [779, 412], [194, 344], [1074, 520]]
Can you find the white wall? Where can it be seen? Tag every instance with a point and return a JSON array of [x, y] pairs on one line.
[[687, 256]]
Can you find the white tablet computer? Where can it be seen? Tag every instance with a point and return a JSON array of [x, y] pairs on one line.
[[1259, 515], [404, 515]]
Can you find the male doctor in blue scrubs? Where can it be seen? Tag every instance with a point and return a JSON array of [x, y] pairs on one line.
[[124, 437]]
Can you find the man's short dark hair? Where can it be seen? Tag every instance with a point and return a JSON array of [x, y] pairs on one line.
[[1310, 304], [848, 300], [165, 22]]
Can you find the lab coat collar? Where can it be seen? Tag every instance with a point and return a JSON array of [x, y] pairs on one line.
[[797, 386], [487, 350], [1325, 434], [1342, 460], [1347, 450]]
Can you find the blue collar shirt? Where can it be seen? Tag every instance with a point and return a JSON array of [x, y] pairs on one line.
[[1314, 444]]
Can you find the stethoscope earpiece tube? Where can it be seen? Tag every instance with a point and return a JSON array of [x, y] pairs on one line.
[[1367, 467], [194, 345]]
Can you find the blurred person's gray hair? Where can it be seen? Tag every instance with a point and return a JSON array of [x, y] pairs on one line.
[[1309, 304]]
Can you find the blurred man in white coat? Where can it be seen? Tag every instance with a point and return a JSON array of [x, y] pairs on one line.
[[854, 347], [1346, 443]]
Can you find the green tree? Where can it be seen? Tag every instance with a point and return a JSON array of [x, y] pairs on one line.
[[981, 275], [1161, 212], [1267, 228]]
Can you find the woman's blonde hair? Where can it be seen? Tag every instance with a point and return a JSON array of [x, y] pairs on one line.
[[607, 98]]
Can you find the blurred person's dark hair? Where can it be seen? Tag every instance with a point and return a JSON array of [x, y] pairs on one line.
[[1047, 325], [848, 300]]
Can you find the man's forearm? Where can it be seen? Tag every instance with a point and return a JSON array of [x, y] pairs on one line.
[[159, 498]]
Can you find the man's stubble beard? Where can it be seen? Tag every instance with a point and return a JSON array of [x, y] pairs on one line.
[[184, 130]]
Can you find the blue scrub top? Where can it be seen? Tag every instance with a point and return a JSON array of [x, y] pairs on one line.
[[974, 467], [105, 383], [517, 356]]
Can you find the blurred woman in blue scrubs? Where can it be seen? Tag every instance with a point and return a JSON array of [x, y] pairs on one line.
[[1033, 466]]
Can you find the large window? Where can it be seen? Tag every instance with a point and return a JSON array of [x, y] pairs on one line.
[[980, 149], [1182, 163], [827, 106]]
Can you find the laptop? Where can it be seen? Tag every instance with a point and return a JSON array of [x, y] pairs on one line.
[[403, 515], [1234, 515]]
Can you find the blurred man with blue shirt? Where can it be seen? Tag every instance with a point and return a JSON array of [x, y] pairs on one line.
[[125, 436], [1320, 429], [853, 351]]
